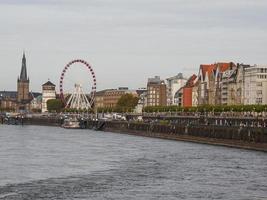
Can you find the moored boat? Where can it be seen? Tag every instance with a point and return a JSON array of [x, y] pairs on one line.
[[71, 123]]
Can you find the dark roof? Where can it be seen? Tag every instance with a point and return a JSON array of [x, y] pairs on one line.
[[49, 83], [190, 81], [36, 94], [23, 72], [13, 94], [140, 91], [8, 94]]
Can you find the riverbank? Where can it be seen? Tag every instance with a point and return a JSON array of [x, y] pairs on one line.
[[235, 137], [201, 140], [251, 138]]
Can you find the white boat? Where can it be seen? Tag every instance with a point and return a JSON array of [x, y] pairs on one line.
[[71, 123]]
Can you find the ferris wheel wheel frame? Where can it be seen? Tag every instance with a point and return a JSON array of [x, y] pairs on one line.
[[65, 69]]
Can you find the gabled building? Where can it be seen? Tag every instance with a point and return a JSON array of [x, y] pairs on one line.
[[232, 85], [206, 78], [209, 91], [188, 91]]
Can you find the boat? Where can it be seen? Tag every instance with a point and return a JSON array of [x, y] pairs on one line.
[[71, 123]]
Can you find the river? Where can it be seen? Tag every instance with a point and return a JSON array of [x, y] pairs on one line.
[[38, 162]]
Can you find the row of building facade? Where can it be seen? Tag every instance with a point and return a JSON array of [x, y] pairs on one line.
[[214, 84]]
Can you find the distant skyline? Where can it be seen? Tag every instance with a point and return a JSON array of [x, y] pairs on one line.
[[127, 42]]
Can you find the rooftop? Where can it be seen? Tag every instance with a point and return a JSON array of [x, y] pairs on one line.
[[48, 83]]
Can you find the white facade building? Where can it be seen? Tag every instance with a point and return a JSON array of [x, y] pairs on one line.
[[48, 92], [142, 102], [173, 85], [255, 82], [36, 102]]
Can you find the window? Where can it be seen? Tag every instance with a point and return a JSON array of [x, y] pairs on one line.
[[259, 84], [259, 100], [259, 92]]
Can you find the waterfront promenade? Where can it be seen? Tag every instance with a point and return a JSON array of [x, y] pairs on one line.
[[240, 132]]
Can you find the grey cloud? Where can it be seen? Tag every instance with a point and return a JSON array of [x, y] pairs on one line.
[[125, 39]]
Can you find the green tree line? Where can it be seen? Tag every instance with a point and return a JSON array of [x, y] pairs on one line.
[[207, 108]]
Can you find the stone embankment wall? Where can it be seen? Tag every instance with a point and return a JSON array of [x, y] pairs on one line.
[[243, 137], [232, 136], [43, 121]]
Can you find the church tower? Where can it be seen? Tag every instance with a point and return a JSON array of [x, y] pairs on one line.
[[23, 84]]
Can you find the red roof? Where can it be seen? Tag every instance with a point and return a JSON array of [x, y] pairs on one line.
[[207, 69], [225, 66], [222, 67]]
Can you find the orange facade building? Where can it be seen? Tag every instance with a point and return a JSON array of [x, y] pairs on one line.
[[188, 91]]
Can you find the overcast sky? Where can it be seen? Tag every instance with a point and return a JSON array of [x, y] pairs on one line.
[[127, 41]]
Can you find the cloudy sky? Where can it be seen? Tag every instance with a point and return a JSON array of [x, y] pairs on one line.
[[127, 41]]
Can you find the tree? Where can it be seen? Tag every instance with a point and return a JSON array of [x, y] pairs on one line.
[[54, 105], [127, 102]]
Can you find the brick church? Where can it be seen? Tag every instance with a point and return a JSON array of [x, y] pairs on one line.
[[23, 82], [22, 99]]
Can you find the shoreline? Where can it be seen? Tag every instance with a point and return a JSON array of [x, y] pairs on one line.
[[220, 136], [199, 140]]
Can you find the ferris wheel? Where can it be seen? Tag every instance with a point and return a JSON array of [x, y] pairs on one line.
[[78, 99]]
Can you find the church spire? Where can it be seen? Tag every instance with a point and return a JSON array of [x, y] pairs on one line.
[[23, 72]]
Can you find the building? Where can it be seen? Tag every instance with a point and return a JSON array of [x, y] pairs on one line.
[[228, 87], [156, 92], [109, 98], [36, 103], [23, 93], [178, 97], [255, 85], [195, 93], [21, 100], [142, 102], [48, 92], [187, 97], [209, 91], [99, 98], [112, 97], [173, 85], [205, 74], [8, 100], [232, 85]]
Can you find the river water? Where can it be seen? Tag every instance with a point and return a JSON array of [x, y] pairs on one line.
[[52, 163]]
